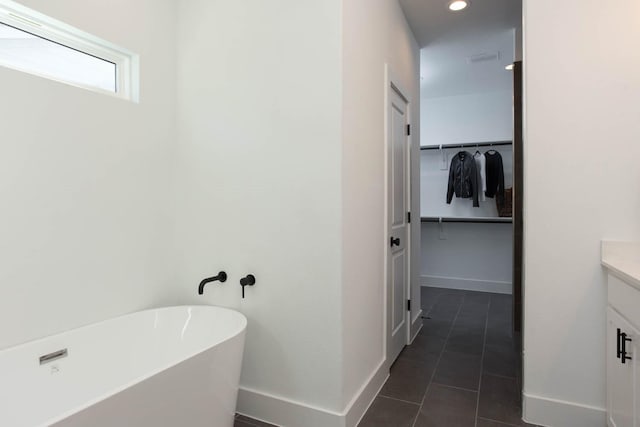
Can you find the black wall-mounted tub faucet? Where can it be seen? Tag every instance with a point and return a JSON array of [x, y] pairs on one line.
[[222, 277]]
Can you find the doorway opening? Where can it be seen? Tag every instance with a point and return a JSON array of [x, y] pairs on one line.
[[464, 367]]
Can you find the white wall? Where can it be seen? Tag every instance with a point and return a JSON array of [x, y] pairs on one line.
[[375, 32], [581, 186], [467, 118], [84, 181], [258, 187], [281, 164], [468, 256]]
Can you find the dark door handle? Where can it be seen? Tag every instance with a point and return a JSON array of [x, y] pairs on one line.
[[395, 242]]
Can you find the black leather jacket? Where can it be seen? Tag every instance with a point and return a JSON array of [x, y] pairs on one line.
[[463, 178]]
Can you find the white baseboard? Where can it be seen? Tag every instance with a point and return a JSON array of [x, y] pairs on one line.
[[558, 413], [364, 397], [495, 287], [285, 412]]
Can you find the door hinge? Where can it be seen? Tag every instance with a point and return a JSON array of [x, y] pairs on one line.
[[408, 305], [409, 217], [409, 130]]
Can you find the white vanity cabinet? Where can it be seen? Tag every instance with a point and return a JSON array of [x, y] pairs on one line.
[[623, 333], [622, 372]]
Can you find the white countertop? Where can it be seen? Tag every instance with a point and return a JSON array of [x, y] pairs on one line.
[[623, 260]]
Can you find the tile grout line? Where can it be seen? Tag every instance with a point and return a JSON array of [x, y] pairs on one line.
[[489, 374], [434, 304], [484, 347], [497, 422], [424, 315], [435, 368], [454, 387], [396, 399]]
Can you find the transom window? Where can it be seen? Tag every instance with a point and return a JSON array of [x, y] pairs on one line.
[[36, 44]]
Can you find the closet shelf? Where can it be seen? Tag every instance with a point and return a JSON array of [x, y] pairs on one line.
[[466, 144], [478, 220]]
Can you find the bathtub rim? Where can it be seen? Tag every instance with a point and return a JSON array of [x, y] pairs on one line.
[[138, 379]]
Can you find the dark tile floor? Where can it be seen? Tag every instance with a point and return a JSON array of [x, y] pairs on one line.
[[462, 370], [242, 421]]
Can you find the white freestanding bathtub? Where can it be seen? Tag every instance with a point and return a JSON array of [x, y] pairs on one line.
[[169, 367]]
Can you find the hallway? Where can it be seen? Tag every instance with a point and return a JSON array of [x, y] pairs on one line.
[[462, 370]]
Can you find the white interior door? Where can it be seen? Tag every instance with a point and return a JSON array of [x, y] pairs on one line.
[[398, 230]]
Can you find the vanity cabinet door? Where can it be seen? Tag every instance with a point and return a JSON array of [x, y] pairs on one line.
[[622, 378]]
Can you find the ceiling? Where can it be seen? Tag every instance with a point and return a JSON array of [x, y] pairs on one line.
[[431, 20], [450, 40]]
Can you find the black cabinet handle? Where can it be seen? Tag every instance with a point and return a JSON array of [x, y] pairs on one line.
[[249, 280], [624, 340], [618, 344], [395, 242]]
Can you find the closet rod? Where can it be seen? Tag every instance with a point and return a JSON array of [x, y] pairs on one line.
[[466, 144], [479, 220]]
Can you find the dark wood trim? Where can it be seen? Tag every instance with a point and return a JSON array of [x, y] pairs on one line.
[[518, 179]]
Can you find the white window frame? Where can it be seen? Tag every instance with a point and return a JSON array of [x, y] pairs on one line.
[[127, 63]]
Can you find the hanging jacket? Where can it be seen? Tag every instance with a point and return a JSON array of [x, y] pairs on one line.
[[495, 176], [463, 178], [482, 175]]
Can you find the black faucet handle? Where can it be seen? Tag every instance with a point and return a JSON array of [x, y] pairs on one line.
[[249, 280]]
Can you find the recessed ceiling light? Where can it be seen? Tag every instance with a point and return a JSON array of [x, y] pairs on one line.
[[457, 5], [509, 67]]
